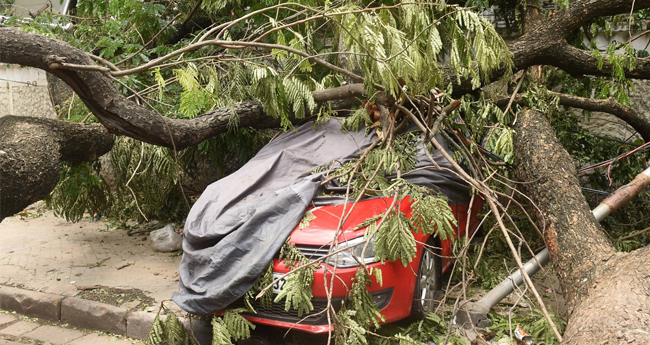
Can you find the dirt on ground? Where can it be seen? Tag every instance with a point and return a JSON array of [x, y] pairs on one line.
[[133, 299]]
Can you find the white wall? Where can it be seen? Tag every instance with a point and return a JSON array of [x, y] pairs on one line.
[[22, 7], [24, 91]]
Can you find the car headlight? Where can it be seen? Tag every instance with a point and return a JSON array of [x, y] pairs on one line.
[[351, 249]]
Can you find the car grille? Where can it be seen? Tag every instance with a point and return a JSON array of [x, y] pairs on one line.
[[316, 317], [311, 252], [278, 313]]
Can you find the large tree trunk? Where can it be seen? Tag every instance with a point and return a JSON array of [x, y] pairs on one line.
[[607, 293], [30, 151]]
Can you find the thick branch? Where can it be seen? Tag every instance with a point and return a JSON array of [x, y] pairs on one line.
[[579, 62], [122, 116], [609, 105], [548, 39], [546, 43], [30, 151]]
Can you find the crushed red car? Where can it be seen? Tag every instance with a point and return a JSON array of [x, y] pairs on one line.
[[241, 222], [407, 291]]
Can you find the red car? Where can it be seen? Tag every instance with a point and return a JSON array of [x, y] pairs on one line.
[[406, 291]]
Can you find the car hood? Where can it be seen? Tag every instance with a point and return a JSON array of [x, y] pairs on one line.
[[321, 230]]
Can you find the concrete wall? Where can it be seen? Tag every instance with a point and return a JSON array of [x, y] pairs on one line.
[[24, 91]]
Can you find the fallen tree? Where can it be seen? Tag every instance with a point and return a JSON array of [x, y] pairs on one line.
[[602, 288], [584, 258]]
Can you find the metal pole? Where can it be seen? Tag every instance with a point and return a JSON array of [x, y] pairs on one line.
[[478, 311]]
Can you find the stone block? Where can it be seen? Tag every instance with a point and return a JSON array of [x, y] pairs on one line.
[[7, 318], [54, 335], [31, 303], [138, 324], [19, 328], [93, 315], [97, 339]]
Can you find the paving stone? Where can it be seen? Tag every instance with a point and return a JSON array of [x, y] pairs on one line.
[[54, 335], [138, 324], [93, 315], [96, 339], [31, 303], [7, 318], [7, 342], [19, 328]]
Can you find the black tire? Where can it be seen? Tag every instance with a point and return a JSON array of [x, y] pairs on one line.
[[428, 281]]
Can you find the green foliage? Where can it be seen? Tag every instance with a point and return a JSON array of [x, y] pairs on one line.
[[347, 330], [306, 219], [264, 280], [490, 270], [238, 327], [366, 223], [501, 143], [220, 334], [169, 332], [232, 326], [431, 329], [80, 189], [297, 291], [366, 313], [298, 94], [357, 120], [625, 60], [432, 215], [532, 322], [152, 176], [627, 245], [196, 99], [394, 239], [385, 44]]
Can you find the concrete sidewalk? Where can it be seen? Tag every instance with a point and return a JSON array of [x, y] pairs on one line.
[[47, 263], [16, 330]]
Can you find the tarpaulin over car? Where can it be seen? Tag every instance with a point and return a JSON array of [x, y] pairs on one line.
[[240, 222]]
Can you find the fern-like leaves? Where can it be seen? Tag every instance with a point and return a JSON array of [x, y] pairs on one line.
[[394, 239], [361, 302], [432, 215], [297, 291]]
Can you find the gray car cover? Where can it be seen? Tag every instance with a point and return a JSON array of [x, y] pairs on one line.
[[240, 222]]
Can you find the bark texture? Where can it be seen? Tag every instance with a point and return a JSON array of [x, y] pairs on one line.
[[607, 293], [614, 308], [30, 151]]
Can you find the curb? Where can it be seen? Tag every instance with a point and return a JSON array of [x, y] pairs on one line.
[[77, 312]]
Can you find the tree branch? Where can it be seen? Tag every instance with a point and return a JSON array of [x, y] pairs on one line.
[[122, 116], [609, 105], [546, 43], [31, 148], [579, 62]]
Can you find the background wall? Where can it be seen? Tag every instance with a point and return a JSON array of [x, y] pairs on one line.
[[24, 91]]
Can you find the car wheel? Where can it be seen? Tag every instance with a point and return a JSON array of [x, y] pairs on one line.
[[427, 283]]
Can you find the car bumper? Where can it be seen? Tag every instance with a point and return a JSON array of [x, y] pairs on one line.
[[394, 297]]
